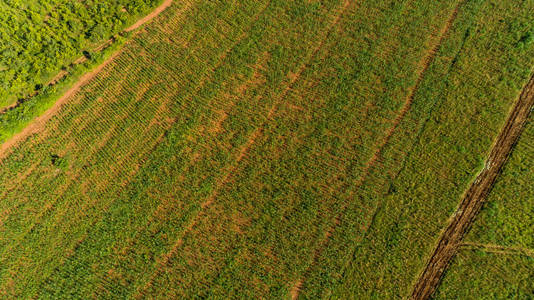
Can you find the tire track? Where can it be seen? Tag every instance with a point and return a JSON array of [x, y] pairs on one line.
[[469, 207], [498, 249], [425, 64]]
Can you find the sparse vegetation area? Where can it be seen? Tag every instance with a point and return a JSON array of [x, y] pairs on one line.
[[268, 149]]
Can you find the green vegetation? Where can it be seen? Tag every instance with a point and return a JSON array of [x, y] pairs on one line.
[[39, 37], [457, 112], [484, 275], [259, 149], [502, 267], [509, 213]]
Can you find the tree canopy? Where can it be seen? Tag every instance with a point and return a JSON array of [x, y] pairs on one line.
[[39, 37]]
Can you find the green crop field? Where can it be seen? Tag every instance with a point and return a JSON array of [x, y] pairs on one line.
[[497, 260], [263, 149]]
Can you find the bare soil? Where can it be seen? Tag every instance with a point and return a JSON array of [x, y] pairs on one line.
[[452, 236]]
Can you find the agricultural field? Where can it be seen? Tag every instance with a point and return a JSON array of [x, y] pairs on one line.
[[496, 259], [271, 149]]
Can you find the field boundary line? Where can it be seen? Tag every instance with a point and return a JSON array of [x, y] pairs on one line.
[[426, 62], [473, 199], [499, 249], [256, 134], [36, 125]]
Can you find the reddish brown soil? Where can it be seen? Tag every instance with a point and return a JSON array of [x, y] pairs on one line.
[[451, 238]]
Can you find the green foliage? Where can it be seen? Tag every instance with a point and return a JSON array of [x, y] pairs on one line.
[[476, 274], [39, 37], [14, 120], [436, 152]]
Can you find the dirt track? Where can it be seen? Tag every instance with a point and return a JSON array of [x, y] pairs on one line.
[[498, 249], [473, 199], [39, 122], [425, 64]]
